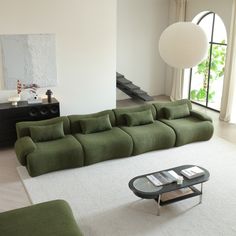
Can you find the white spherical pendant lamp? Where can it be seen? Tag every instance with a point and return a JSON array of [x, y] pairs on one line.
[[183, 45]]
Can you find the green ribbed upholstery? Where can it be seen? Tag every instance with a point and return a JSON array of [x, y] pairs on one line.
[[139, 118], [94, 125], [190, 129], [23, 147], [176, 112], [53, 218], [160, 106], [127, 135], [200, 116], [55, 155], [47, 156], [120, 112], [150, 137], [105, 145], [23, 128], [74, 119], [47, 132]]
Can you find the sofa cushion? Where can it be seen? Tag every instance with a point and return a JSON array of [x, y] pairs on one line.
[[120, 113], [114, 143], [190, 129], [75, 119], [47, 132], [95, 124], [139, 118], [160, 107], [23, 128], [53, 218], [55, 155], [176, 112], [151, 137]]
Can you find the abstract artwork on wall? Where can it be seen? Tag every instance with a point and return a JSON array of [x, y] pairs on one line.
[[29, 58]]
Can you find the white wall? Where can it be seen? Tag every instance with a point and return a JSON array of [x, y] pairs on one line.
[[139, 26], [85, 47], [221, 7]]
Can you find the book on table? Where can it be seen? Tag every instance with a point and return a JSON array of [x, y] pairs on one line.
[[161, 178], [192, 172]]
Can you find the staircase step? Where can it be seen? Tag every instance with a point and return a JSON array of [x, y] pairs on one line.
[[145, 97], [131, 86], [123, 80], [139, 91], [118, 75], [131, 89]]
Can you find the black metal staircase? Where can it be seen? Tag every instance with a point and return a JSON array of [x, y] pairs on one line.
[[131, 89]]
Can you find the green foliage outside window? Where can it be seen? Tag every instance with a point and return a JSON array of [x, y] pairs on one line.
[[216, 72]]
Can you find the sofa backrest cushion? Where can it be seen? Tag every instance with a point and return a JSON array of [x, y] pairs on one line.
[[139, 118], [23, 128], [120, 113], [47, 132], [95, 124], [160, 106], [75, 119], [176, 112]]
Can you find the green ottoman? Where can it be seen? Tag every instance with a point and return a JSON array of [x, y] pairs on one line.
[[52, 218]]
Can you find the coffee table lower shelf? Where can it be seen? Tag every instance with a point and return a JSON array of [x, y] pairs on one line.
[[195, 192]]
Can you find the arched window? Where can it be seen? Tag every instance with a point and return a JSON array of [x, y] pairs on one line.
[[206, 79]]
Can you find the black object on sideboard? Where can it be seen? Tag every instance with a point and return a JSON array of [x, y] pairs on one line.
[[10, 115]]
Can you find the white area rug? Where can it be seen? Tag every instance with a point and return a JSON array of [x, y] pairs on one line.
[[104, 205]]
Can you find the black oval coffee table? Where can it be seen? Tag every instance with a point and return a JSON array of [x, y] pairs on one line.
[[144, 188]]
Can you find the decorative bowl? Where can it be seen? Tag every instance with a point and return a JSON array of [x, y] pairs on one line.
[[14, 100]]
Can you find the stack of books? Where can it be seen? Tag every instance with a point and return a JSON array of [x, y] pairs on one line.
[[162, 178], [192, 172]]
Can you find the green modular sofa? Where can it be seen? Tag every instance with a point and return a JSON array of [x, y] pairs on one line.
[[79, 140], [52, 218]]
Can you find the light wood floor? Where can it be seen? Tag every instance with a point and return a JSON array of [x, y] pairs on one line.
[[12, 192]]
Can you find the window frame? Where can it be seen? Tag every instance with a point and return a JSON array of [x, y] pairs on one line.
[[210, 59]]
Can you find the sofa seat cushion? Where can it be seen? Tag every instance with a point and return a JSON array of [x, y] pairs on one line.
[[110, 144], [190, 129], [44, 219], [55, 155], [150, 137]]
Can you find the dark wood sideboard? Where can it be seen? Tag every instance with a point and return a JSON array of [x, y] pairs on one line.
[[10, 115]]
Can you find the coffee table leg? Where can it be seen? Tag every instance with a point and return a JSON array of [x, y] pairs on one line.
[[158, 205], [200, 200]]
